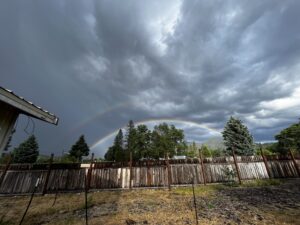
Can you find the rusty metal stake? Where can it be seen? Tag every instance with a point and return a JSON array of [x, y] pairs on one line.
[[48, 174], [86, 201], [130, 168], [202, 167], [195, 203], [169, 172], [31, 197]]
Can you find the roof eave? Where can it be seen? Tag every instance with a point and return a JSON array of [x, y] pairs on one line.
[[26, 107]]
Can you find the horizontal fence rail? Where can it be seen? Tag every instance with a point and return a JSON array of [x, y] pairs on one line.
[[65, 177]]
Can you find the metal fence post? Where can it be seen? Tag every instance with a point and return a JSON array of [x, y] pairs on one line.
[[202, 167], [90, 172], [48, 174], [169, 172], [130, 174]]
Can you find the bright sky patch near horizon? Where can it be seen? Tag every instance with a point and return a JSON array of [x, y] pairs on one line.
[[98, 64]]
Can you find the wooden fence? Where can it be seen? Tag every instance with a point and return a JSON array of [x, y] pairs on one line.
[[56, 177]]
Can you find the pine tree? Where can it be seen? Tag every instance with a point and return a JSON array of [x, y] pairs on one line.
[[130, 140], [79, 149], [118, 147], [110, 154], [237, 136], [143, 138], [27, 152]]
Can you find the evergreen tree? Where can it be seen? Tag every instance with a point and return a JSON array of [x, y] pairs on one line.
[[146, 144], [143, 138], [237, 136], [119, 153], [110, 154], [27, 152], [130, 140], [79, 149]]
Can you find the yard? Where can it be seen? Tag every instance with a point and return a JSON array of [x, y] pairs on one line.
[[255, 202]]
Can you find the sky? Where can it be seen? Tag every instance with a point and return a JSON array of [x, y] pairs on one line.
[[98, 64]]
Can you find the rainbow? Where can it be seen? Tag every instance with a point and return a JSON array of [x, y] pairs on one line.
[[97, 116], [160, 120]]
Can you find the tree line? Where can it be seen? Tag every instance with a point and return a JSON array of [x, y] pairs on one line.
[[143, 143], [28, 152], [166, 139]]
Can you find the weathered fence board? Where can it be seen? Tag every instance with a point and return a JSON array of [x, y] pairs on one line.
[[256, 170], [281, 169], [21, 178], [21, 182]]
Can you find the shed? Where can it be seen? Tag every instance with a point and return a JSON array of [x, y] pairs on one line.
[[11, 105]]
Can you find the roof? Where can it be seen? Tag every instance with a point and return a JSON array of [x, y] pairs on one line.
[[26, 107], [179, 157]]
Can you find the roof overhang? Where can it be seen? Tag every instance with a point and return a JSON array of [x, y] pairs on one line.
[[26, 107]]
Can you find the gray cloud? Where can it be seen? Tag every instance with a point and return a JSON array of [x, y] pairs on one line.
[[97, 64]]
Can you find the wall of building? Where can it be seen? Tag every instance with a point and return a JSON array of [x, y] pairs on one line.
[[8, 116]]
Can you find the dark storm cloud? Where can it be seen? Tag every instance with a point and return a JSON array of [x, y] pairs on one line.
[[97, 64]]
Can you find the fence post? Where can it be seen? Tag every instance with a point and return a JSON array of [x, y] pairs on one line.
[[265, 162], [295, 163], [236, 166], [202, 167], [149, 178], [130, 175], [90, 172], [169, 171], [48, 174], [5, 169]]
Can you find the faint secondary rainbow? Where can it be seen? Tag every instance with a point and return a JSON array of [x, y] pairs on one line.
[[98, 115], [166, 120]]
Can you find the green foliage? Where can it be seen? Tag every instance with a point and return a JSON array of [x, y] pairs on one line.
[[205, 151], [130, 140], [267, 148], [79, 149], [27, 152], [289, 138], [167, 140], [210, 152], [237, 136], [261, 183], [5, 158], [143, 141], [230, 176], [116, 152], [146, 144], [43, 159], [68, 159], [192, 150]]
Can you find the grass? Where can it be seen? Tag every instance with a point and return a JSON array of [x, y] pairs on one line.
[[199, 190], [115, 207], [261, 183]]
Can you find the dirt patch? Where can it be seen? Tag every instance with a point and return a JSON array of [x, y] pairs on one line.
[[216, 204]]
